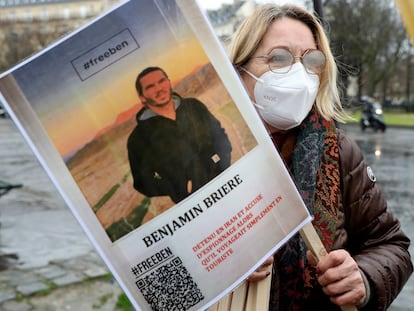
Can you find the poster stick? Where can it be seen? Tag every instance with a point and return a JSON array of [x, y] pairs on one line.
[[255, 296], [225, 304], [259, 293], [239, 297], [314, 243]]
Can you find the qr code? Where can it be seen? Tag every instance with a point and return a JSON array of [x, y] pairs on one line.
[[170, 287]]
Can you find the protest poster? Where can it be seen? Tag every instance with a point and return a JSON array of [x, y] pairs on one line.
[[76, 104]]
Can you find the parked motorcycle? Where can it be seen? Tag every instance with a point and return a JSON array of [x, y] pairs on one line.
[[372, 117]]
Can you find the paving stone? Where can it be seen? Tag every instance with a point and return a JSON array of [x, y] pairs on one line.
[[76, 264], [4, 286], [96, 272], [24, 279], [69, 278], [51, 272], [7, 294], [94, 257], [7, 275], [29, 289], [15, 306]]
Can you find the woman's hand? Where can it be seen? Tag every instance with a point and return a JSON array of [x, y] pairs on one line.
[[262, 272], [340, 278]]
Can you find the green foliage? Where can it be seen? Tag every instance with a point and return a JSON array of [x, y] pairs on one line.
[[402, 119], [125, 178], [50, 287], [123, 303], [391, 118], [131, 222], [102, 300], [105, 198], [107, 277]]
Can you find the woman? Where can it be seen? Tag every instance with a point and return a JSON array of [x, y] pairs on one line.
[[288, 70]]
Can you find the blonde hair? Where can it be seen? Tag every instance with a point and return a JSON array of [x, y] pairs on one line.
[[248, 37]]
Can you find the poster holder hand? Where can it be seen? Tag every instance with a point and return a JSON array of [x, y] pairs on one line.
[[314, 243], [254, 296]]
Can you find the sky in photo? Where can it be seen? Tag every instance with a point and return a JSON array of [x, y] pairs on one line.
[[74, 110]]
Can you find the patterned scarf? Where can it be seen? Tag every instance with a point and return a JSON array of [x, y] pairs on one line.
[[312, 156]]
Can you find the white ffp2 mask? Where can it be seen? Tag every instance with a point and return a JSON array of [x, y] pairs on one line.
[[284, 100]]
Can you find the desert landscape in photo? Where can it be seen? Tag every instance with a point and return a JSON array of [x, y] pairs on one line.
[[101, 167]]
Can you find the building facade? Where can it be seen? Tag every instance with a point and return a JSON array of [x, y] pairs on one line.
[[27, 26], [226, 19]]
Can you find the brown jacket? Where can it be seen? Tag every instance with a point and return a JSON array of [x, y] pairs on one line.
[[368, 231]]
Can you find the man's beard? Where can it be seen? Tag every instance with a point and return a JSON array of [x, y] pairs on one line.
[[152, 103]]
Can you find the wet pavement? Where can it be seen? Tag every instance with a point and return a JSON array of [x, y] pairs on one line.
[[43, 249]]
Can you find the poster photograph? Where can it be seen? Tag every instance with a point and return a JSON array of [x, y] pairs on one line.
[[147, 133]]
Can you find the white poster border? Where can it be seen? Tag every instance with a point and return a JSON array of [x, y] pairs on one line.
[[259, 180]]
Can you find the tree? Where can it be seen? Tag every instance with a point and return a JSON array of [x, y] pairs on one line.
[[367, 38], [20, 41]]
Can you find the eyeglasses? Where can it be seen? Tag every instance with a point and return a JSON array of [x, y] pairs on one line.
[[280, 60]]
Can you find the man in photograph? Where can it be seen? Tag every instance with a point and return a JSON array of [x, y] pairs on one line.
[[177, 145]]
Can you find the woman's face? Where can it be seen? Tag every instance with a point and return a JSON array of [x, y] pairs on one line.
[[286, 33]]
